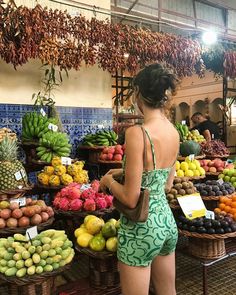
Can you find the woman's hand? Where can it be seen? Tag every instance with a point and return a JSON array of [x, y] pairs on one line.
[[115, 172], [105, 182]]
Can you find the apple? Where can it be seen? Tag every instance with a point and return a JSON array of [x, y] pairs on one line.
[[212, 169], [117, 157], [105, 150], [109, 156], [206, 168], [211, 164], [111, 150], [103, 157]]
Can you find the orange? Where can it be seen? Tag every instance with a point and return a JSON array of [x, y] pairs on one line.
[[234, 198], [217, 210], [223, 199], [222, 206], [228, 201], [233, 204], [227, 209], [232, 211]]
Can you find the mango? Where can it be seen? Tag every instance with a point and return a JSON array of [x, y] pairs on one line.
[[28, 262], [52, 252], [3, 269], [62, 263], [31, 270], [11, 250], [19, 249], [49, 260], [17, 256], [11, 263], [44, 254], [48, 233], [36, 258], [39, 249], [70, 257], [8, 256], [66, 253], [10, 272], [32, 249], [3, 262], [58, 250], [39, 269], [45, 240], [46, 247], [25, 254], [36, 243], [21, 272], [20, 237], [67, 244], [48, 268], [55, 265], [56, 243], [42, 262], [15, 244], [56, 258], [20, 264]]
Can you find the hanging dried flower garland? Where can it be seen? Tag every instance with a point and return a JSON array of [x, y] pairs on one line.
[[57, 38]]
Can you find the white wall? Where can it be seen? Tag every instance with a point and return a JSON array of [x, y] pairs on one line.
[[88, 87]]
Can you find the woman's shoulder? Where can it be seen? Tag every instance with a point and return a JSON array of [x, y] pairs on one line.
[[133, 130]]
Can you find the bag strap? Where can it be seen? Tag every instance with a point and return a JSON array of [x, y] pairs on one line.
[[144, 150]]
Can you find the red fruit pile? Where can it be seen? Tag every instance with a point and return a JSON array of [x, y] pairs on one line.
[[114, 153], [216, 165], [75, 198], [34, 213]]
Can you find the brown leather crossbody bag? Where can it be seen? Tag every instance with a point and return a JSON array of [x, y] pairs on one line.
[[140, 212]]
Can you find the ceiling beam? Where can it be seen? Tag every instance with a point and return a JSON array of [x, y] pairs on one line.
[[129, 9]]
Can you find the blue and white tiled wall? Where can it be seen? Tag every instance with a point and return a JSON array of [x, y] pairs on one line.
[[77, 121]]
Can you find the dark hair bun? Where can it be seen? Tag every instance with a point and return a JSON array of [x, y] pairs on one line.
[[153, 82]]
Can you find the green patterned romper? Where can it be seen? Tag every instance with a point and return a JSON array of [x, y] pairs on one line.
[[140, 242]]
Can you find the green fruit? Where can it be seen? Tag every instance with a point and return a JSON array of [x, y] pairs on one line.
[[56, 258], [46, 240], [11, 263], [3, 269], [58, 250], [11, 250], [109, 230], [8, 256], [19, 249], [28, 262], [3, 262], [55, 265], [36, 258], [48, 268], [21, 272], [20, 264], [46, 247], [62, 263], [32, 249], [44, 254], [52, 252], [31, 270], [42, 262], [17, 256], [25, 255], [20, 237], [49, 260], [65, 253], [10, 272], [39, 269], [111, 244], [36, 243], [97, 243], [39, 249]]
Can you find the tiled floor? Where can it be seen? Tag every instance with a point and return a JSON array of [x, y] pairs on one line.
[[221, 276]]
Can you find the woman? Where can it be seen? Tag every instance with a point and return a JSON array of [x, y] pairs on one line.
[[146, 249]]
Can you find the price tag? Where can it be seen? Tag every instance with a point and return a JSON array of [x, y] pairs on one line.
[[191, 157], [42, 112], [212, 136], [18, 175], [192, 206], [220, 181], [175, 174], [31, 232], [20, 201], [22, 171], [85, 186], [183, 122], [210, 214], [66, 161], [52, 127]]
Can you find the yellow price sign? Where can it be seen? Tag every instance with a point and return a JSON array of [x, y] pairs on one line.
[[192, 206]]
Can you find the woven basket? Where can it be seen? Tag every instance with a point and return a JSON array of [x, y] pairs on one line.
[[207, 236], [97, 255], [82, 214], [207, 248], [14, 194], [21, 230]]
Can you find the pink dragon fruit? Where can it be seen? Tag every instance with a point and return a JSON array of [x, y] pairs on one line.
[[75, 184], [74, 193], [76, 205], [64, 192], [88, 194], [64, 204], [101, 203], [95, 184], [109, 200], [89, 205], [57, 200]]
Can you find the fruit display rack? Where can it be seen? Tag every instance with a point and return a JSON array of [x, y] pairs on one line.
[[14, 194], [83, 214], [91, 153], [101, 254], [21, 230], [200, 157], [42, 284]]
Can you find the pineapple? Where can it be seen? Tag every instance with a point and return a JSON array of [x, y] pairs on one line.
[[9, 166]]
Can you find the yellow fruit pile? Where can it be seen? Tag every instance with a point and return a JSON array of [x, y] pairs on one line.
[[58, 174], [97, 235], [189, 168], [195, 136]]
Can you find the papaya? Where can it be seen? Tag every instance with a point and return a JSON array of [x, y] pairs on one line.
[[48, 268], [10, 272], [21, 272]]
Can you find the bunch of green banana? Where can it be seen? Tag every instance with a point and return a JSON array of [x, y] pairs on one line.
[[55, 144], [101, 138], [183, 131], [35, 125]]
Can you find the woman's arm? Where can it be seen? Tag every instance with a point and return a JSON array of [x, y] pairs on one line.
[[170, 179], [207, 134], [129, 193]]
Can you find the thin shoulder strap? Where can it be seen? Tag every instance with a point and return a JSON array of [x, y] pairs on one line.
[[144, 150], [153, 150]]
